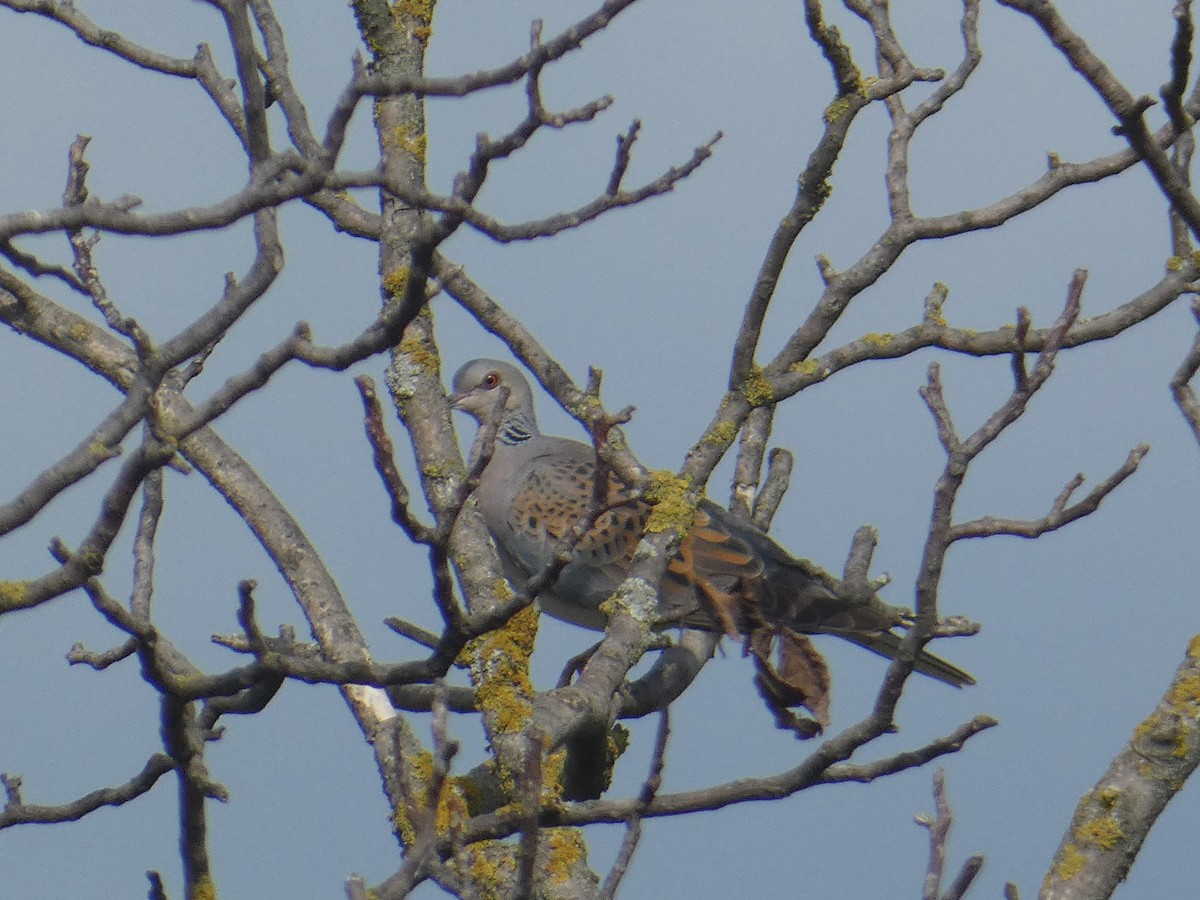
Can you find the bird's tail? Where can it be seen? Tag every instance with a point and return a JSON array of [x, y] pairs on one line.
[[887, 643], [746, 578]]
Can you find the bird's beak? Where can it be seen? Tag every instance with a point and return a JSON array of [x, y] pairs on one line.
[[457, 398]]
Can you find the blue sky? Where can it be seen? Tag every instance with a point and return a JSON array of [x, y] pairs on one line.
[[1082, 629]]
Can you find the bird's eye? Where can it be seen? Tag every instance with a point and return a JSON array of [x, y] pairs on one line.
[[491, 379]]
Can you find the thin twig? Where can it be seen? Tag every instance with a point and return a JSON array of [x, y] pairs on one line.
[[18, 812], [1181, 388], [633, 825], [530, 801], [779, 474]]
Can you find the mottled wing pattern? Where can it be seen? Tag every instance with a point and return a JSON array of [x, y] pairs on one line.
[[557, 494], [704, 583]]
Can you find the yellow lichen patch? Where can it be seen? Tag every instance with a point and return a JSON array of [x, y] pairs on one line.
[[804, 367], [500, 672], [413, 17], [616, 745], [13, 594], [203, 889], [1174, 263], [552, 769], [586, 409], [395, 281], [1104, 832], [417, 145], [403, 827], [1185, 695], [817, 191], [490, 867], [1171, 728], [566, 851], [934, 315], [757, 389], [1193, 649], [636, 598], [721, 435], [1070, 862], [452, 806], [1147, 726], [671, 508], [467, 791], [454, 803], [1196, 257], [508, 704], [93, 559], [837, 109], [877, 339], [402, 138], [1108, 796], [419, 354], [414, 359], [79, 331], [414, 9]]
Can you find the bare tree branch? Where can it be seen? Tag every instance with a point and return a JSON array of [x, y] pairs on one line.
[[633, 826], [1060, 512], [1113, 819], [1181, 389], [504, 823], [18, 812], [105, 39], [1128, 110], [939, 833], [812, 191], [779, 473]]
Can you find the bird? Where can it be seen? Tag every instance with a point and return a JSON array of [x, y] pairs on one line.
[[726, 574]]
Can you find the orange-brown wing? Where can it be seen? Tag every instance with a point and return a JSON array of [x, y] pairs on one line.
[[750, 581], [716, 566]]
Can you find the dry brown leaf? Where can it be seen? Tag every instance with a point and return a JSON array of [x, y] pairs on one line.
[[800, 677]]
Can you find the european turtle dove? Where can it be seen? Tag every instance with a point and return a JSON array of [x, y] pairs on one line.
[[536, 487]]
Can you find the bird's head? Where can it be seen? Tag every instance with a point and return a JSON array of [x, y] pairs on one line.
[[477, 385]]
